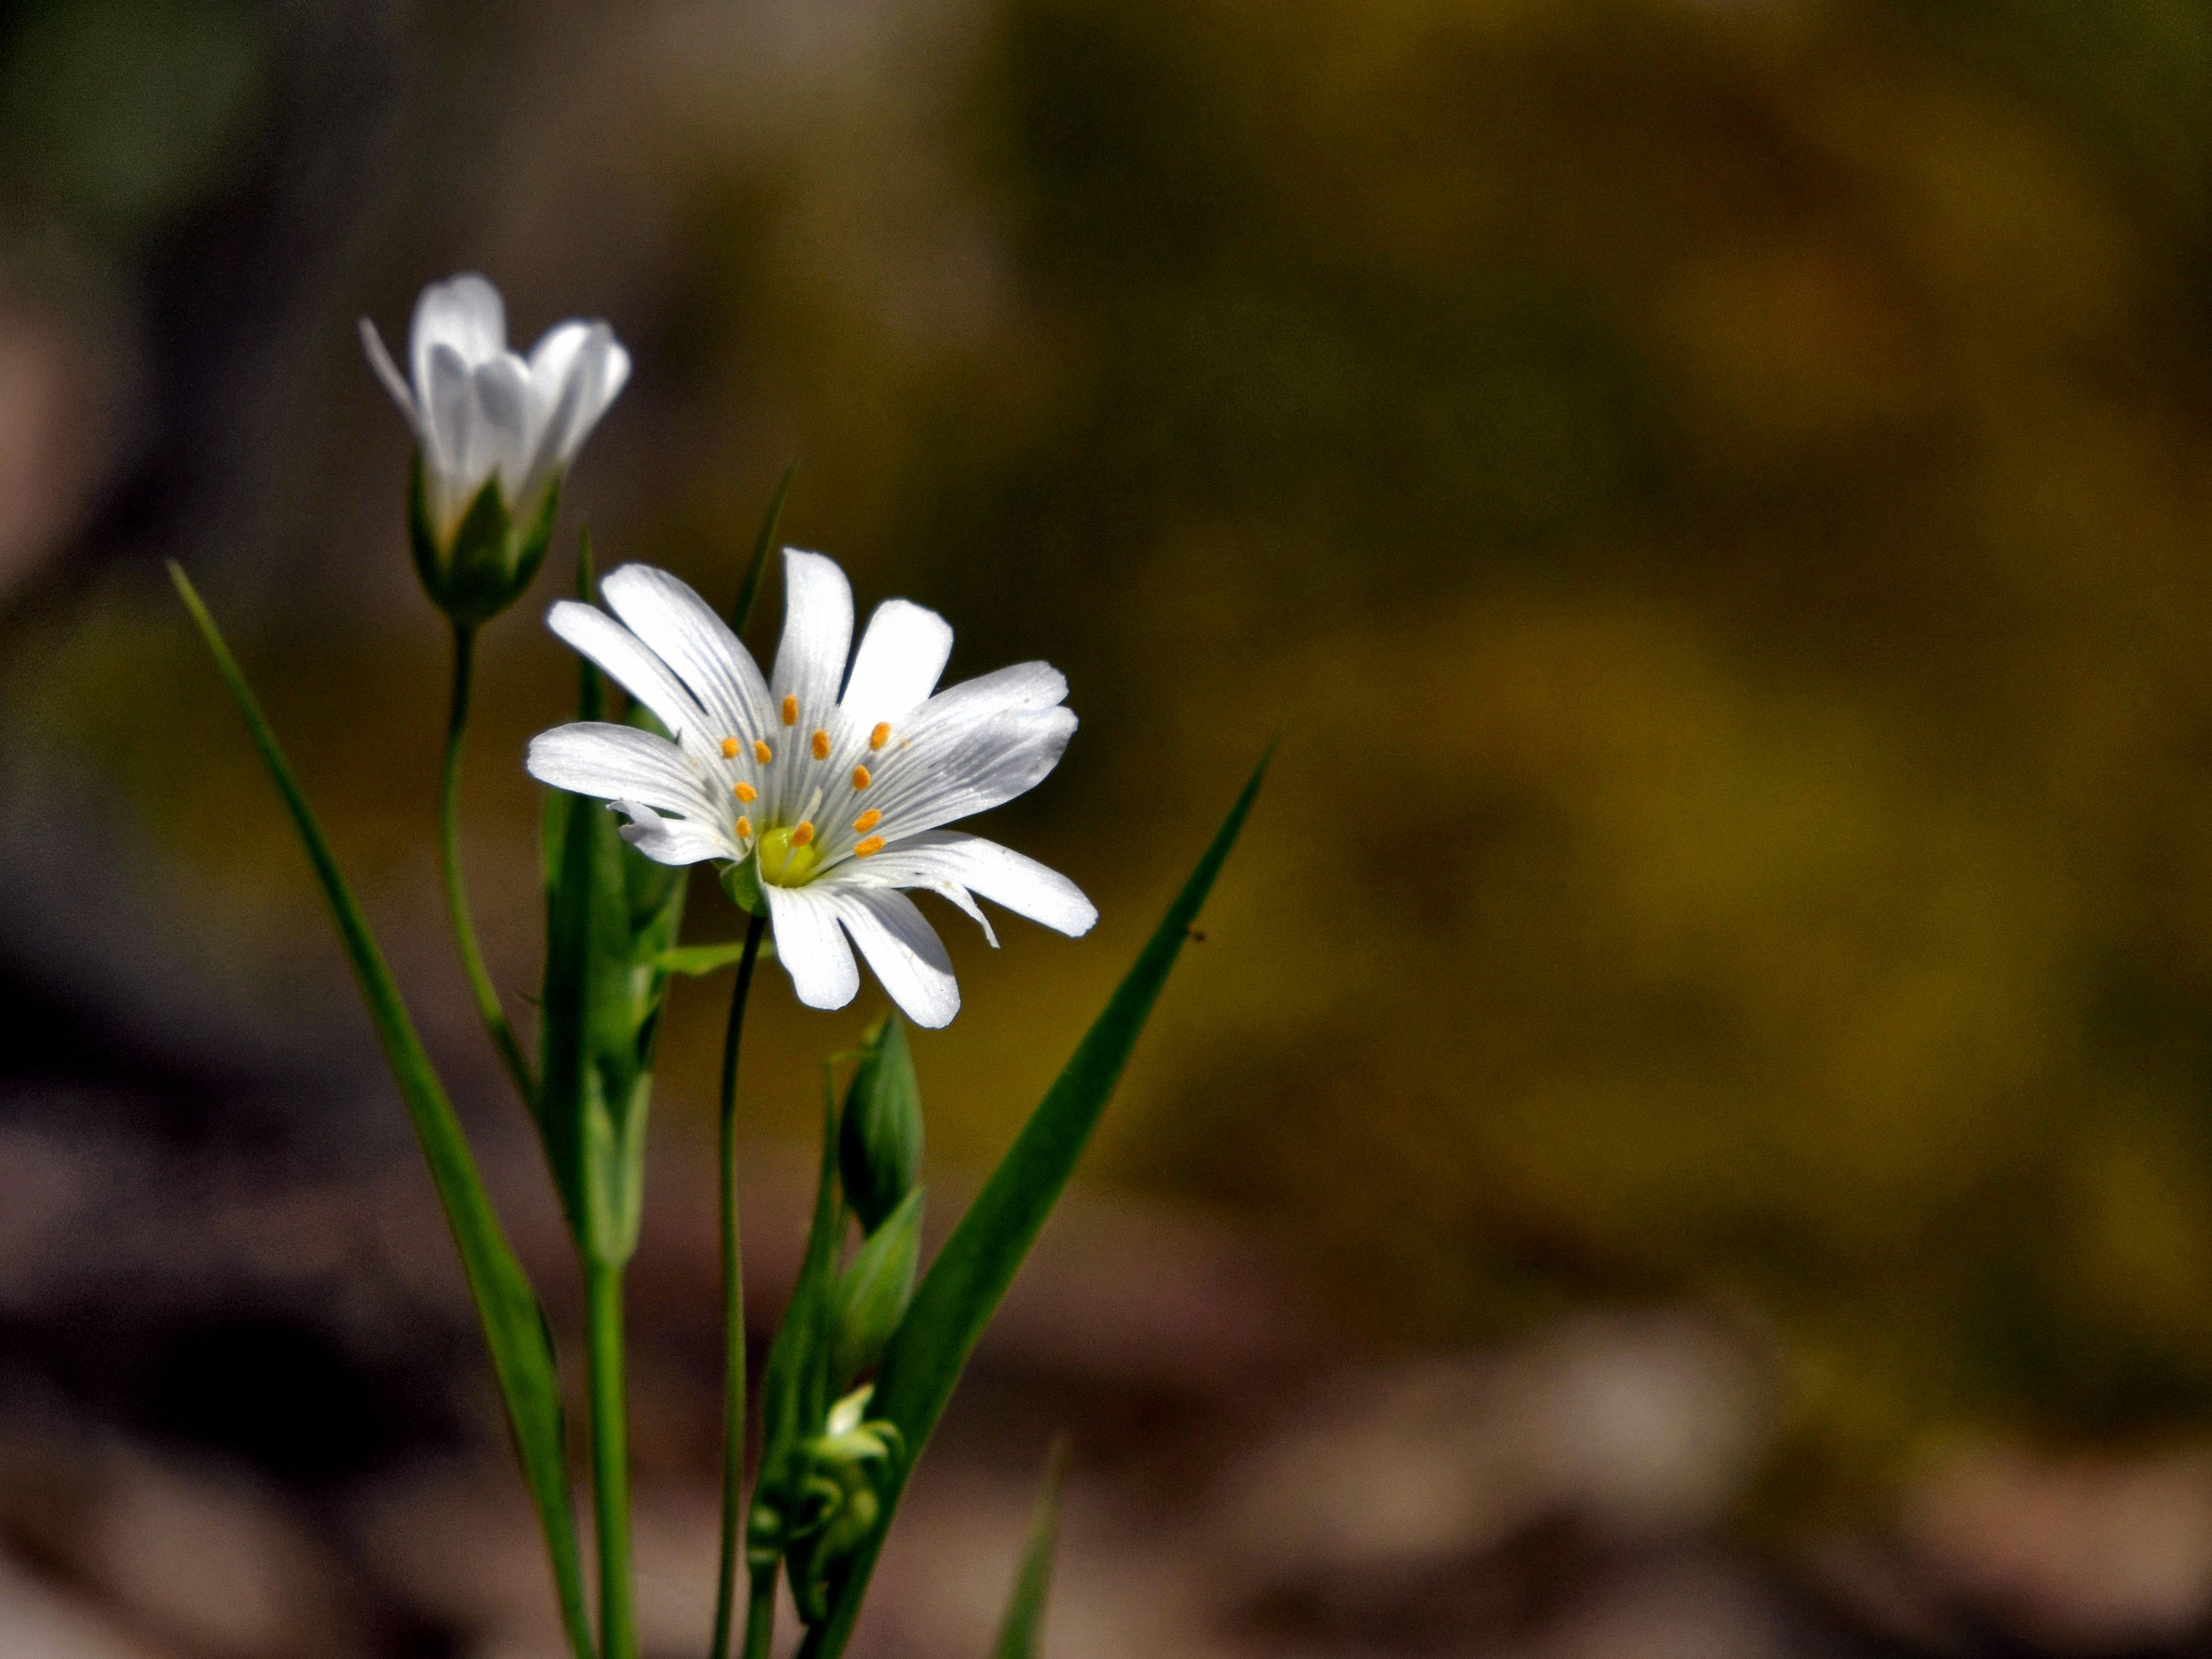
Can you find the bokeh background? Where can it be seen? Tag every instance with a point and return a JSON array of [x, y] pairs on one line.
[[1687, 1131]]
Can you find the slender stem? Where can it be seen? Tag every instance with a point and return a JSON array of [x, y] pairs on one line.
[[603, 1316], [449, 861], [760, 1613], [733, 1314]]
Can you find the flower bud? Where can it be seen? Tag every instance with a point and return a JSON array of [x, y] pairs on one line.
[[872, 1295], [495, 435], [880, 1141]]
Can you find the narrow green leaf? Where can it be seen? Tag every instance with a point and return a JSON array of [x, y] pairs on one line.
[[506, 1304], [763, 543], [1021, 1631], [963, 1285], [700, 960]]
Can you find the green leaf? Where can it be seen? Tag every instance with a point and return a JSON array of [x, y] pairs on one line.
[[963, 1285], [506, 1304], [763, 543], [879, 1140], [872, 1293], [610, 914], [1022, 1631], [700, 960]]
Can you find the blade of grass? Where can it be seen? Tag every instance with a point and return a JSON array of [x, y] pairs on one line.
[[763, 543], [1022, 1629], [507, 1303], [963, 1287]]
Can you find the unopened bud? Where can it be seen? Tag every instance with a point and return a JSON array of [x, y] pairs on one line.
[[879, 1142]]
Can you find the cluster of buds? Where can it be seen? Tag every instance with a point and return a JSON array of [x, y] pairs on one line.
[[831, 1504], [823, 1475]]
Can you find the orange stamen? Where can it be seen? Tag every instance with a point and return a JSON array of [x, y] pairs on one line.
[[745, 828], [747, 793], [791, 711], [762, 752], [881, 735], [869, 848], [804, 833], [821, 743], [861, 779], [730, 747], [867, 820]]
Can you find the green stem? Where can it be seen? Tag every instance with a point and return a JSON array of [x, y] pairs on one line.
[[603, 1316], [760, 1613], [733, 1312], [457, 897]]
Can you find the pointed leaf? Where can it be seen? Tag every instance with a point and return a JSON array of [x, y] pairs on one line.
[[1021, 1633], [763, 543], [700, 960], [963, 1285], [507, 1303]]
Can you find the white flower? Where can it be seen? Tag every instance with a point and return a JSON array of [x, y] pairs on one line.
[[838, 784], [480, 411]]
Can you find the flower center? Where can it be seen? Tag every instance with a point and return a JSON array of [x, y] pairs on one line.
[[788, 855]]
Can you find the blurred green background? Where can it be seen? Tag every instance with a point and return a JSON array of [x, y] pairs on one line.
[[1712, 494]]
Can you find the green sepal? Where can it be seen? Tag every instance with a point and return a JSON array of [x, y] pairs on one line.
[[489, 561], [741, 881], [879, 1140], [873, 1293]]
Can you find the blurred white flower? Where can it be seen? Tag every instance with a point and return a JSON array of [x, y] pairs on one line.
[[827, 791], [484, 415]]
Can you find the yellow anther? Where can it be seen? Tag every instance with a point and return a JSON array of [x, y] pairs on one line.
[[802, 832], [745, 828], [881, 735], [762, 752], [867, 820], [746, 793], [869, 847], [861, 778], [730, 747], [821, 743], [791, 711]]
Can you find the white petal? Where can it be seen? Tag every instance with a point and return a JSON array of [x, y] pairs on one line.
[[941, 779], [620, 763], [901, 947], [503, 389], [818, 633], [997, 873], [682, 630], [450, 420], [588, 357], [388, 372], [810, 945], [637, 670], [901, 655], [465, 315], [670, 841]]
